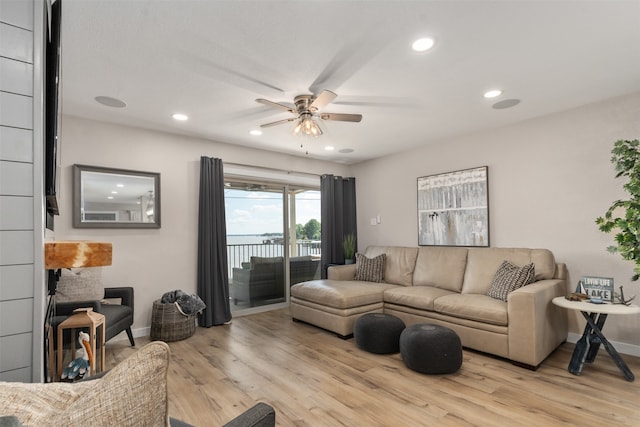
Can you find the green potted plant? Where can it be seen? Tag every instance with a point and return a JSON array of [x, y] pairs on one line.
[[349, 246], [623, 217]]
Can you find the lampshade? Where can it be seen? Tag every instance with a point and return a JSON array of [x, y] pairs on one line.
[[75, 254], [307, 126]]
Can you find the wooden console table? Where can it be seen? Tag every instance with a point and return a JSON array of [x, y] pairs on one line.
[[588, 345]]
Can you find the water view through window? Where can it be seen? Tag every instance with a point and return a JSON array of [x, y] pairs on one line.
[[256, 241]]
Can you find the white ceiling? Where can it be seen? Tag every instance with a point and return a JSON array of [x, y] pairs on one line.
[[212, 59]]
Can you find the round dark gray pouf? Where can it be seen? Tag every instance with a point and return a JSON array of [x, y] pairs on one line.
[[378, 333], [431, 349]]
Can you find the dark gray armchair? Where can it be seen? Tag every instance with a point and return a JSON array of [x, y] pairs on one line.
[[260, 282], [118, 317]]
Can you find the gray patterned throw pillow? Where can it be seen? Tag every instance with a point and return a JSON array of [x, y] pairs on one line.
[[370, 269], [510, 277]]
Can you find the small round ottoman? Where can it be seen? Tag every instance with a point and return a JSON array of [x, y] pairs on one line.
[[431, 349], [378, 333]]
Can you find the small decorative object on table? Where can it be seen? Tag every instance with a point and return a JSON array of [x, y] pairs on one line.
[[80, 367], [598, 287], [620, 299]]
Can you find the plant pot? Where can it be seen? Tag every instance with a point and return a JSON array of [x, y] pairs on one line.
[[349, 261]]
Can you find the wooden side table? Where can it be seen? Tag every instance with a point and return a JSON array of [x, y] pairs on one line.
[[84, 318], [588, 345]]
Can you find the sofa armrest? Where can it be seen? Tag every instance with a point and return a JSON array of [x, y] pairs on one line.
[[260, 415], [536, 325], [341, 272], [125, 293]]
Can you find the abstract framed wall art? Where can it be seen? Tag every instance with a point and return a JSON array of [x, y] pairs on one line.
[[453, 208]]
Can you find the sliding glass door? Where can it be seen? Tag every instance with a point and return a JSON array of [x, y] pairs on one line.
[[264, 256]]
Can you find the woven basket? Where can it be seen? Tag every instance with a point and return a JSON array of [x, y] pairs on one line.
[[168, 324]]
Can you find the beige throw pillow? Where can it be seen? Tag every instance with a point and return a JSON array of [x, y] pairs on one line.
[[80, 285]]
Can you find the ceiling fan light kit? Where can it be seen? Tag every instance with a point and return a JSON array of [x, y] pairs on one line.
[[306, 110]]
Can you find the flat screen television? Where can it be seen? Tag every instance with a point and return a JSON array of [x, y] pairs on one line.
[[51, 113]]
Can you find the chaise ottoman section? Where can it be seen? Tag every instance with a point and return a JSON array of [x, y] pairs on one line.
[[334, 304]]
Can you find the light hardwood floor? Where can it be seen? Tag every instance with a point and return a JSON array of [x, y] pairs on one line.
[[313, 378]]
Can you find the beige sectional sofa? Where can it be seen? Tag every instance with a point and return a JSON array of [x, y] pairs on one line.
[[447, 286]]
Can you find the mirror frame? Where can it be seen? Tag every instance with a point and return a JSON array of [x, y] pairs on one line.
[[77, 198]]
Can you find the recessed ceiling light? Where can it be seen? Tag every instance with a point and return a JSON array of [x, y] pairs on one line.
[[329, 148], [256, 132], [110, 102], [180, 117], [110, 197], [114, 192], [423, 44], [492, 93], [120, 185]]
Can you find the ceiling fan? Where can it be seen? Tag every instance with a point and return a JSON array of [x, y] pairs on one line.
[[306, 109]]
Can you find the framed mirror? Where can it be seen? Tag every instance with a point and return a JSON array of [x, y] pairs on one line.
[[115, 198]]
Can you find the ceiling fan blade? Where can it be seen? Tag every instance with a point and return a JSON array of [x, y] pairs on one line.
[[341, 117], [276, 105], [321, 100], [279, 122]]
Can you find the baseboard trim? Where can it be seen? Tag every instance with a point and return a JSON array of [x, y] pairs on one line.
[[621, 347]]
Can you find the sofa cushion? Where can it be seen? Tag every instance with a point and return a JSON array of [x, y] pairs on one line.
[[399, 265], [510, 277], [473, 307], [442, 267], [80, 284], [482, 264], [370, 269], [340, 294], [420, 297]]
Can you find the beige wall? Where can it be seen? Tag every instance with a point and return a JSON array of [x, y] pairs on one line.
[[549, 178], [160, 260]]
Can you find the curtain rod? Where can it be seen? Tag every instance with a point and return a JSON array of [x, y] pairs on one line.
[[270, 169]]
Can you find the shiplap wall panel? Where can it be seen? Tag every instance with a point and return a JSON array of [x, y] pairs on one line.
[[16, 110], [16, 77], [10, 275], [16, 317], [16, 360], [17, 375], [18, 13], [16, 213], [16, 179], [16, 43], [16, 144], [16, 247], [18, 338]]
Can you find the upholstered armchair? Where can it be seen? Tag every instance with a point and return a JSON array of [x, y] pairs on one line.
[[118, 317], [81, 289], [133, 393]]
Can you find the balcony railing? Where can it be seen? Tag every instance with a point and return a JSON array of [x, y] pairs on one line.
[[237, 254]]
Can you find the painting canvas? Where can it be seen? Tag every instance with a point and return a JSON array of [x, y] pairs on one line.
[[453, 208]]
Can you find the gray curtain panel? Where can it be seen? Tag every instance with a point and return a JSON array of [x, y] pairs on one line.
[[338, 217], [213, 276]]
